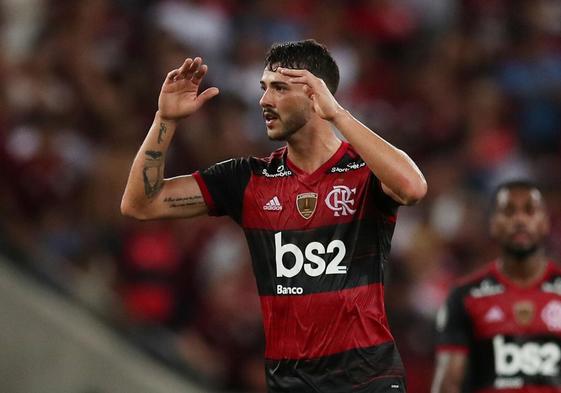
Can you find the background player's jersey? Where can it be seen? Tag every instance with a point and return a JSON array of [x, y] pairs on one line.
[[512, 334], [318, 244]]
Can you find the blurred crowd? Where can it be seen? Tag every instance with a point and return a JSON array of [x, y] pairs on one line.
[[471, 89]]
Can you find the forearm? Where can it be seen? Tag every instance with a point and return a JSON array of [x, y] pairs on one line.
[[392, 166], [146, 177], [450, 372]]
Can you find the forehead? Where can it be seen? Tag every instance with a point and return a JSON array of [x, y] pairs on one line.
[[518, 197], [273, 76]]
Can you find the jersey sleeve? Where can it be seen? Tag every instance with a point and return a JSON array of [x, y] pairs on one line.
[[223, 186], [453, 325]]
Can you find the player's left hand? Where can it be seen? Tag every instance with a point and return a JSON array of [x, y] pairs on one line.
[[324, 104]]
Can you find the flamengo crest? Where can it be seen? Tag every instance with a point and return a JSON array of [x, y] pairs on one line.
[[306, 204], [524, 312], [551, 315], [340, 200]]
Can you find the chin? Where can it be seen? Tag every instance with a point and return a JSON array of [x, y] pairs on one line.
[[521, 251], [277, 135], [274, 136]]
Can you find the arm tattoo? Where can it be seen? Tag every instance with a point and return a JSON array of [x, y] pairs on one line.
[[153, 173], [184, 201], [163, 130]]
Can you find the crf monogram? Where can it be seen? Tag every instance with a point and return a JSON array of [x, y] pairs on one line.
[[339, 200]]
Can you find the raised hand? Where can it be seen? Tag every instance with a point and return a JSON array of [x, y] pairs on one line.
[[325, 105], [179, 96]]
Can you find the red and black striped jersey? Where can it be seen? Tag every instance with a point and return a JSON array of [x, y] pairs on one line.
[[511, 334], [318, 244]]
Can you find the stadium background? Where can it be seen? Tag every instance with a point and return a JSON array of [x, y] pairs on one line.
[[471, 89]]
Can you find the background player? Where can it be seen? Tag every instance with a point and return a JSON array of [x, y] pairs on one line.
[[318, 215], [500, 329]]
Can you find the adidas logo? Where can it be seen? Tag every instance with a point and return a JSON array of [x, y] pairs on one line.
[[273, 204], [495, 314]]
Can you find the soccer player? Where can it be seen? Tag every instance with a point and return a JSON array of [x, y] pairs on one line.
[[318, 215], [500, 329]]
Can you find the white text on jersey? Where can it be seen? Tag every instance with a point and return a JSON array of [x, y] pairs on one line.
[[529, 358], [314, 265]]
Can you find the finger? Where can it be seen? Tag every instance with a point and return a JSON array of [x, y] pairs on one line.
[[207, 95], [305, 83], [184, 67], [199, 74], [195, 65], [170, 77], [292, 72], [301, 80]]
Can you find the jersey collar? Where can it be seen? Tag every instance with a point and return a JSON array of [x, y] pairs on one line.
[[504, 279], [318, 173]]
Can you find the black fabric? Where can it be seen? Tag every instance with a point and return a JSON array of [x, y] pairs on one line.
[[483, 357], [370, 245], [455, 329], [226, 182], [361, 370]]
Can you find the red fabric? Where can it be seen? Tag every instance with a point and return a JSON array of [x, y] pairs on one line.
[[260, 191], [320, 324], [507, 302], [206, 194], [146, 302]]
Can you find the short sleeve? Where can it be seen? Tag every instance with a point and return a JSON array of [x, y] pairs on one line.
[[223, 186], [453, 325]]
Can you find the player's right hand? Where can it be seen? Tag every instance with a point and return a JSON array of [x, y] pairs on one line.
[[179, 96]]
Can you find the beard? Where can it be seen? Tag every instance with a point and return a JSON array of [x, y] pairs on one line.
[[289, 126], [520, 252]]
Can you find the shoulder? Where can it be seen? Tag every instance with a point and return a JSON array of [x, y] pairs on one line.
[[271, 166], [554, 268], [552, 281], [349, 161], [480, 283]]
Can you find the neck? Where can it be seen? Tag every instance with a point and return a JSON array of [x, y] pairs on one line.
[[523, 271], [312, 146]]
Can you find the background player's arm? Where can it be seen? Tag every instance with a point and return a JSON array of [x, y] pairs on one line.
[[450, 372], [401, 178], [147, 194]]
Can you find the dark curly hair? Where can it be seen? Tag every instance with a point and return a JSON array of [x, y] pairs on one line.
[[307, 54]]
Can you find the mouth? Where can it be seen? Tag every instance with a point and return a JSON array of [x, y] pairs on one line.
[[520, 237], [270, 118]]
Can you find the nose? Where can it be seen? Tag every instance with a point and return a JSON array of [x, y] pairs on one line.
[[265, 100], [520, 219]]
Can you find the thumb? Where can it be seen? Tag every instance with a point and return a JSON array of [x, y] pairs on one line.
[[207, 95]]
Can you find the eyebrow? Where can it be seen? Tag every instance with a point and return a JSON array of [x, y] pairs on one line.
[[275, 83]]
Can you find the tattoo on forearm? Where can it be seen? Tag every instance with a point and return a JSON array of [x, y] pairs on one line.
[[153, 155], [184, 201], [152, 173], [163, 129]]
